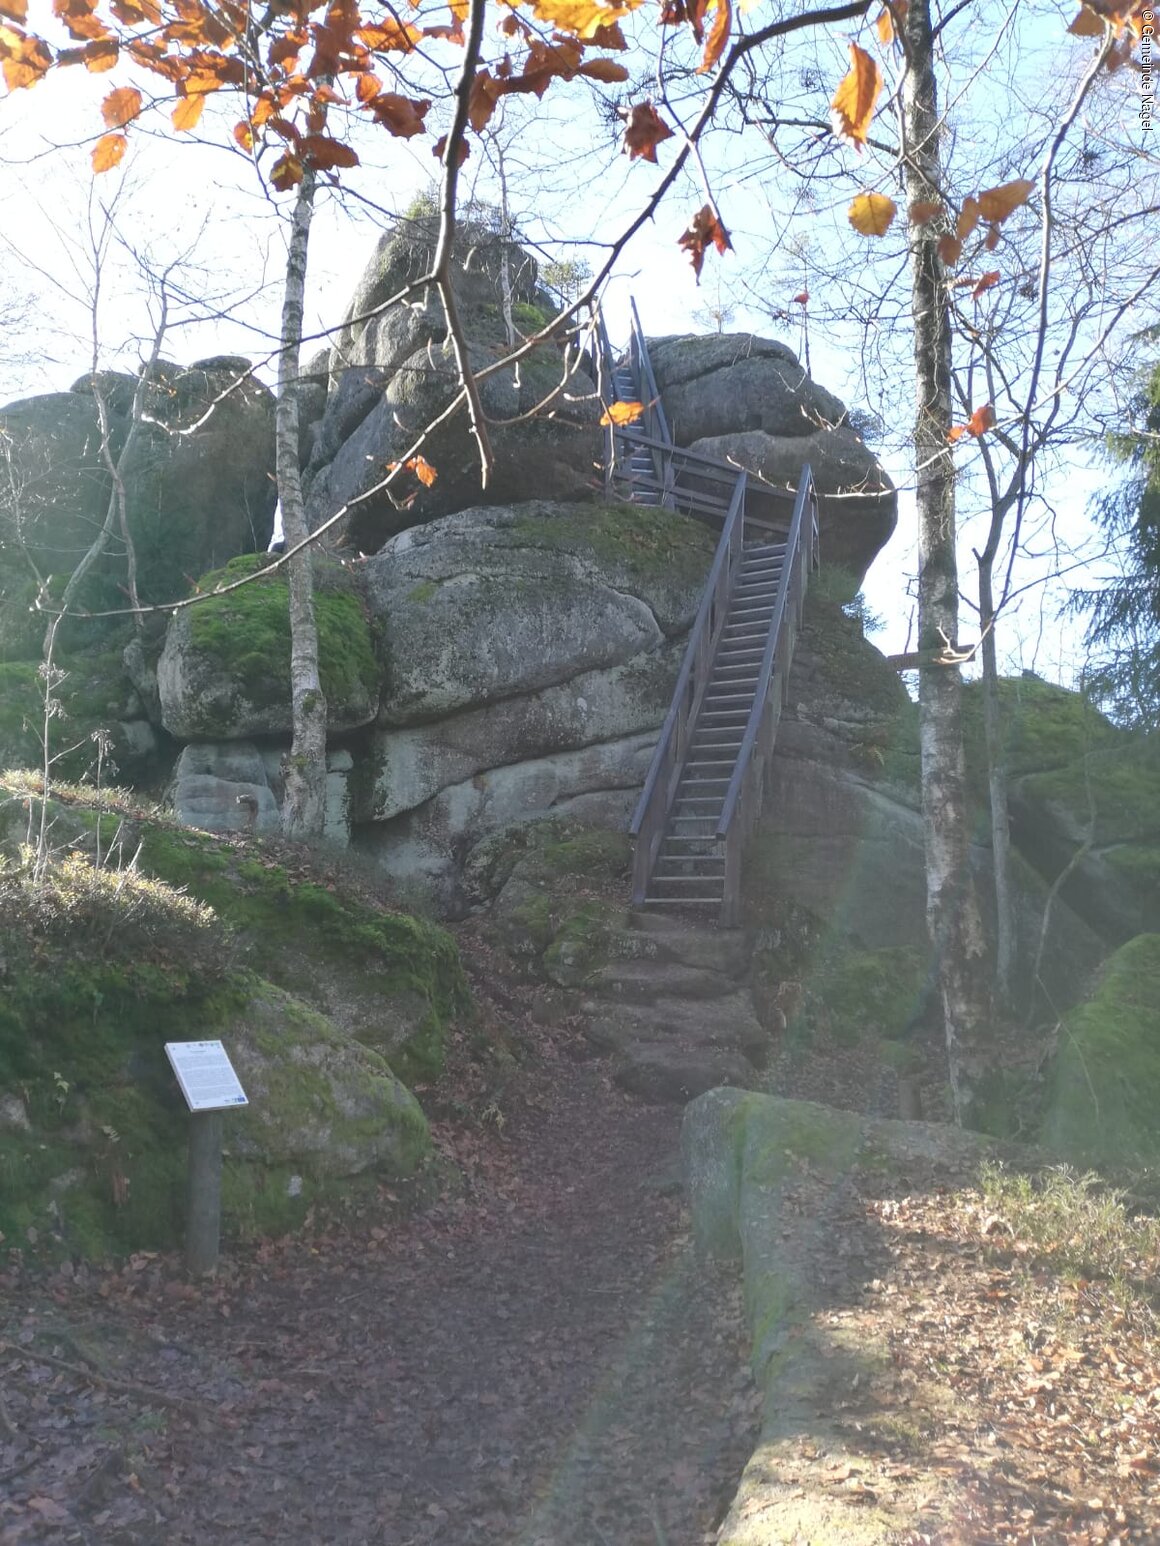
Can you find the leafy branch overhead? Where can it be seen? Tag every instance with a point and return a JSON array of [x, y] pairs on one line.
[[298, 67]]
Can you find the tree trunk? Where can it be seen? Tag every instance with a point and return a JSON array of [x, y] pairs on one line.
[[304, 796], [1005, 928], [952, 910]]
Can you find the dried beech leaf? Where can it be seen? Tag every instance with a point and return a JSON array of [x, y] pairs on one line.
[[872, 214], [853, 106]]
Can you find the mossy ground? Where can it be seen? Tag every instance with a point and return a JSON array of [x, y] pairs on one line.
[[245, 635], [305, 934], [101, 968]]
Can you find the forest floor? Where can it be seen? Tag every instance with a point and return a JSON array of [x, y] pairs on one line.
[[538, 1357]]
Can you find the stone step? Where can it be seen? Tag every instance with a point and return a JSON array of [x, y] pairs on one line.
[[644, 982]]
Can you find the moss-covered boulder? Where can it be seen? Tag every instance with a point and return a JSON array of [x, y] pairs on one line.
[[391, 980], [95, 722], [197, 472], [1101, 809], [100, 968], [1104, 1095], [224, 673]]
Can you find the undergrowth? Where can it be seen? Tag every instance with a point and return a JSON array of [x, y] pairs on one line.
[[1083, 1229]]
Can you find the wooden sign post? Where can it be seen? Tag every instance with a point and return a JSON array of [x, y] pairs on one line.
[[210, 1086]]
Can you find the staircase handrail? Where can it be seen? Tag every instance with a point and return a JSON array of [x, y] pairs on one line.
[[696, 668], [654, 410], [806, 497]]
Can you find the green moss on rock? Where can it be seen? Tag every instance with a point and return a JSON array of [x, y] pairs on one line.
[[100, 971], [92, 697], [1043, 727], [1104, 1095], [244, 638], [392, 980], [642, 539], [871, 992]]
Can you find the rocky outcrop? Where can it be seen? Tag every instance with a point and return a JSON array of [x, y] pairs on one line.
[[749, 402], [224, 672], [393, 372], [198, 477]]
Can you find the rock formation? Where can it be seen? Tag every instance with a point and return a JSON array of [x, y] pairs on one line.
[[392, 372]]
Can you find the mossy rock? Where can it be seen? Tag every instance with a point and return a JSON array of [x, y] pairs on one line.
[[93, 705], [871, 992], [101, 969], [645, 540], [1104, 1092], [391, 980], [225, 671], [1043, 727]]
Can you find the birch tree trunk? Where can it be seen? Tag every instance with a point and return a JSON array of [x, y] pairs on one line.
[[952, 910], [304, 783], [1005, 932]]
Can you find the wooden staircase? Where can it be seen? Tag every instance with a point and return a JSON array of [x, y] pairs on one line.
[[704, 788]]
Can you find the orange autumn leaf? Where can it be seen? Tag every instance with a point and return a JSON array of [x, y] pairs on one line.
[[389, 36], [950, 249], [325, 153], [855, 99], [15, 10], [606, 70], [1087, 24], [923, 210], [872, 214], [286, 172], [423, 470], [997, 203], [24, 59], [992, 238], [439, 149], [582, 18], [80, 19], [645, 131], [97, 57], [718, 37], [802, 298], [108, 151], [704, 228], [244, 136], [621, 413], [890, 20], [485, 94], [968, 218], [187, 112], [121, 107], [988, 282], [400, 116], [979, 422]]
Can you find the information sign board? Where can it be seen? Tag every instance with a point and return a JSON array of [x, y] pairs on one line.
[[206, 1075]]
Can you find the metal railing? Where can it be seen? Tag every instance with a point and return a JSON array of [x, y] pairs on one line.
[[742, 804], [664, 774], [711, 491]]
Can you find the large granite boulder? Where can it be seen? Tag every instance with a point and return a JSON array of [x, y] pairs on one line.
[[198, 472], [224, 673], [393, 372], [495, 603], [748, 401]]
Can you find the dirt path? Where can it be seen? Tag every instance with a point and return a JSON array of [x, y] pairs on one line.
[[537, 1361]]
